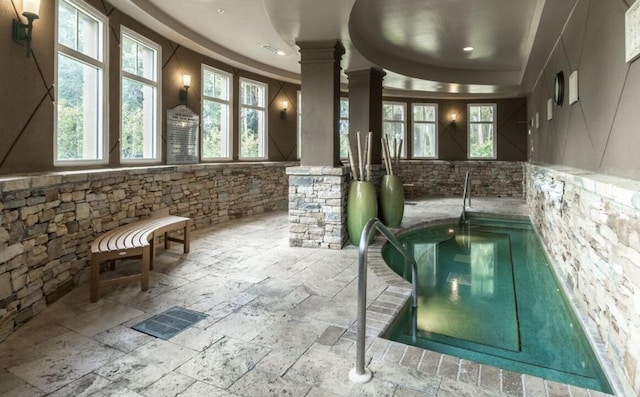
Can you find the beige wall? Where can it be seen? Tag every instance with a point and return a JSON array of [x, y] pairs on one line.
[[601, 131], [26, 106]]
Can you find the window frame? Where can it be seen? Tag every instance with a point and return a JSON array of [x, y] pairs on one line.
[[158, 86], [102, 65], [229, 102], [404, 151], [264, 139], [435, 123], [493, 123]]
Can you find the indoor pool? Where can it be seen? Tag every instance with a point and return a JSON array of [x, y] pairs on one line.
[[488, 294]]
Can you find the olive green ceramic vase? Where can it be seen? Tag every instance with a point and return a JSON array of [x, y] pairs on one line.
[[392, 200], [361, 206]]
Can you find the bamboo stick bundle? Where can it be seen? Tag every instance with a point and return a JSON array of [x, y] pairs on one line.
[[360, 165], [368, 157], [399, 152], [387, 156], [352, 163]]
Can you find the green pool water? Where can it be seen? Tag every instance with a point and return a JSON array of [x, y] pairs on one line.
[[488, 294]]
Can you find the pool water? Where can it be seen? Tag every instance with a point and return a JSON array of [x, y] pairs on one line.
[[488, 294]]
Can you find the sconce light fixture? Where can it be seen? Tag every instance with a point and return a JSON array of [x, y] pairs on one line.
[[285, 106], [184, 93], [454, 116], [23, 32]]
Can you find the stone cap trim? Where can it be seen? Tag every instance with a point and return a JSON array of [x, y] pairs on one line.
[[621, 191], [39, 180]]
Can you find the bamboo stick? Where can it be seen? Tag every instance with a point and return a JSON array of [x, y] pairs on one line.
[[399, 154], [369, 136], [360, 169], [387, 153], [352, 162]]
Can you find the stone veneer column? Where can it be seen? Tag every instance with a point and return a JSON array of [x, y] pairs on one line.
[[365, 107], [317, 207], [318, 188]]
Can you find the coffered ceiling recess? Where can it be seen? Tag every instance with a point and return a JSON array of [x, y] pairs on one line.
[[418, 43]]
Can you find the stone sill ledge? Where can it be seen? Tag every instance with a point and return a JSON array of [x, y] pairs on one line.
[[621, 191], [38, 180], [317, 170]]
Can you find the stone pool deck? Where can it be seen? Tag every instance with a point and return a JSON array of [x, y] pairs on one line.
[[280, 323]]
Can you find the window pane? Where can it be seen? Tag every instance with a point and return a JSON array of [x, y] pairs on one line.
[[215, 85], [252, 95], [424, 140], [146, 62], [344, 138], [88, 36], [128, 55], [344, 109], [424, 113], [79, 107], [486, 113], [251, 124], [138, 120], [67, 25], [215, 127], [481, 140]]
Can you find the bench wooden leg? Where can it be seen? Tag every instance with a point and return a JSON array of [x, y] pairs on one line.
[[147, 254], [152, 253], [167, 242], [95, 285], [185, 242]]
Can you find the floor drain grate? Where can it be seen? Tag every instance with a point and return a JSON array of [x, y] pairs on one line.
[[169, 323]]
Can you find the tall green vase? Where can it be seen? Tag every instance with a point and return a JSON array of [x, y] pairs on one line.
[[392, 200], [361, 206]]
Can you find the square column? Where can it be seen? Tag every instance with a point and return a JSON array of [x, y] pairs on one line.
[[365, 107], [317, 207], [320, 71]]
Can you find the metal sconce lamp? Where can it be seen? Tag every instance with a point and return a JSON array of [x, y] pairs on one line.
[[23, 32], [285, 106], [184, 93], [454, 116]]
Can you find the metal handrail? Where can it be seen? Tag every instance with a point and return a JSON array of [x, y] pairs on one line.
[[466, 193], [360, 374]]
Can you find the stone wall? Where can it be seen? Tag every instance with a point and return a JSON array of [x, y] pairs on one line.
[[590, 225], [47, 222], [317, 206], [436, 178]]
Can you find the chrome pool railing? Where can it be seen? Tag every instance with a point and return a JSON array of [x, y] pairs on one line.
[[360, 374], [466, 194]]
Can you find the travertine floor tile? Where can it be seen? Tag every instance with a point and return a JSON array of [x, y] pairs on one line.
[[258, 383]]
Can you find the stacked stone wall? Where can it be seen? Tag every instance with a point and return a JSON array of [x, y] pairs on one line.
[[317, 207], [436, 178], [590, 225], [47, 222]]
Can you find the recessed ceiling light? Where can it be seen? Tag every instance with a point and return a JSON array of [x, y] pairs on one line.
[[281, 53], [468, 49], [220, 11]]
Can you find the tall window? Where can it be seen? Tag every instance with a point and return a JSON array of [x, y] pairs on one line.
[[393, 124], [425, 130], [344, 127], [216, 113], [253, 119], [81, 94], [482, 131], [140, 101]]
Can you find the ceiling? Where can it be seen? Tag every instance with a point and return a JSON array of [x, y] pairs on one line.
[[418, 43]]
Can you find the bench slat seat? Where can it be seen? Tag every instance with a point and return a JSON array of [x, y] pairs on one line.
[[131, 240]]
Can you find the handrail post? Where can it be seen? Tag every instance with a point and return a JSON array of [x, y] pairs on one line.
[[360, 374]]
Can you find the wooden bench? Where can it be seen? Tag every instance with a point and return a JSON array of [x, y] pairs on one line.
[[136, 239]]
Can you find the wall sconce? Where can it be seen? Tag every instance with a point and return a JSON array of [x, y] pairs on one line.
[[184, 93], [454, 116], [285, 106], [23, 32]]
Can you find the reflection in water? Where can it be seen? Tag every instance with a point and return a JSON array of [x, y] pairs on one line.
[[483, 256]]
